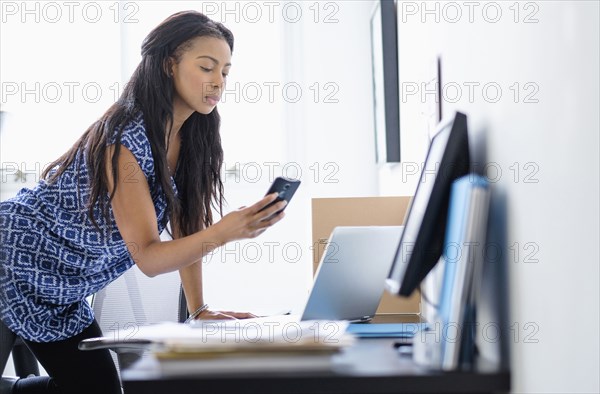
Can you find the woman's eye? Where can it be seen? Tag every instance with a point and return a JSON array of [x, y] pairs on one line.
[[206, 69]]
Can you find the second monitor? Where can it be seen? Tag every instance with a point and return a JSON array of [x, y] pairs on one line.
[[422, 240]]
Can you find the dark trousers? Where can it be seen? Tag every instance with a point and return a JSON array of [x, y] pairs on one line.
[[72, 370]]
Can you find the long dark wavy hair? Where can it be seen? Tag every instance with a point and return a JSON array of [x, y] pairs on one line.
[[150, 90]]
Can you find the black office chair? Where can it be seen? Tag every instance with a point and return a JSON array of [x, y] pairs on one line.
[[24, 361]]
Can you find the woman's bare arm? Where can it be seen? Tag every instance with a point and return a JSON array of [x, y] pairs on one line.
[[136, 220]]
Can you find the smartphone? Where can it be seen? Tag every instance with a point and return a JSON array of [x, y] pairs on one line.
[[285, 188]]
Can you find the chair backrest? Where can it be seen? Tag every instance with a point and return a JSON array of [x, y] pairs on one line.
[[134, 300]]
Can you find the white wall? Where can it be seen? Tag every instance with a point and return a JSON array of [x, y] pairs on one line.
[[552, 191], [331, 47], [53, 83]]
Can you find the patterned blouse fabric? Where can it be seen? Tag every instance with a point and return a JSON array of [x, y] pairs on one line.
[[52, 256]]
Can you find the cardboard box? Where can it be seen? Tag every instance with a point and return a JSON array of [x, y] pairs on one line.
[[328, 213]]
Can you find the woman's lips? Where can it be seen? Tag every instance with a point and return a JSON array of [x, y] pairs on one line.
[[212, 100]]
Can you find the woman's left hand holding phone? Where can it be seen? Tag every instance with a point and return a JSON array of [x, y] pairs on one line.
[[249, 222]]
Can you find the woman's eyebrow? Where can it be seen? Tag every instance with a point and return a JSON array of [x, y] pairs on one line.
[[213, 59]]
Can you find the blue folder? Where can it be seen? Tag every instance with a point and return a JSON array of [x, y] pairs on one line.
[[385, 330], [463, 258]]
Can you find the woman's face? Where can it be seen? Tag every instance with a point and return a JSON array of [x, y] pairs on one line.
[[199, 76]]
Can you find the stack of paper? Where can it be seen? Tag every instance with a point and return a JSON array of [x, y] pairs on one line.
[[242, 346]]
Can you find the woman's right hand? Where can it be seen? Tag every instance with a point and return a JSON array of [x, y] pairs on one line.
[[250, 222], [224, 315]]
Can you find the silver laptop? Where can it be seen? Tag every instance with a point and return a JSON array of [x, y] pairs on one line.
[[350, 280]]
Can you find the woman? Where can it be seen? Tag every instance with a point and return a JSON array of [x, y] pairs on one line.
[[154, 156]]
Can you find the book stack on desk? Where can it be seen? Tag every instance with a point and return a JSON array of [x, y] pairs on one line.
[[247, 346]]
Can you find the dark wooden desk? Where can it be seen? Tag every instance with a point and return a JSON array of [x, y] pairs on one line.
[[369, 366]]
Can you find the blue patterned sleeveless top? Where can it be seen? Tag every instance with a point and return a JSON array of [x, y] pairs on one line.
[[52, 256]]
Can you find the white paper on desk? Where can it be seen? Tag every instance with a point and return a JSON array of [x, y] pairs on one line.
[[256, 333]]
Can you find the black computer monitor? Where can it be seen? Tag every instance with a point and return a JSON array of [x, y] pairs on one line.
[[422, 240]]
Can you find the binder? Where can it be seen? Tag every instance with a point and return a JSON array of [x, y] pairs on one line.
[[463, 260]]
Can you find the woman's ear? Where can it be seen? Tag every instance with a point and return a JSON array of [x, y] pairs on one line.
[[168, 66]]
